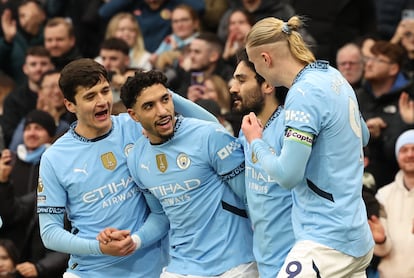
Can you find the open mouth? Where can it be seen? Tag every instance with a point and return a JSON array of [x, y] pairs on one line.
[[102, 114]]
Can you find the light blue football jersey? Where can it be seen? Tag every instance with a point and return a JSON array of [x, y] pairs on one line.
[[328, 206], [209, 233], [90, 181], [269, 205]]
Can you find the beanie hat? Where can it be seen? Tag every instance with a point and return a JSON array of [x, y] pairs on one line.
[[42, 118], [407, 137]]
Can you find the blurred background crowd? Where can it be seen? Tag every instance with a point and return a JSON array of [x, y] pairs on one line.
[[194, 43]]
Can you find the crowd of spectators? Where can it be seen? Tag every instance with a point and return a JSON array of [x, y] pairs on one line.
[[194, 43]]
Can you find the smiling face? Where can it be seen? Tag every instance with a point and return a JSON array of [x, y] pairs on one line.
[[406, 158], [182, 23], [93, 107], [154, 109], [246, 91], [127, 30], [58, 41], [35, 66], [34, 135]]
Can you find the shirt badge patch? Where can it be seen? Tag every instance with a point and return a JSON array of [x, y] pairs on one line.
[[162, 163], [109, 161], [128, 148], [183, 161], [254, 158], [40, 186]]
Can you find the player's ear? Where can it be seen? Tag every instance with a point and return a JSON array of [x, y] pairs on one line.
[[70, 106], [133, 115], [267, 88], [267, 59]]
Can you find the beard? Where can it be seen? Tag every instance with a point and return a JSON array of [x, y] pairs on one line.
[[256, 105]]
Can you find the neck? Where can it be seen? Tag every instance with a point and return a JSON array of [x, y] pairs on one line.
[[381, 87], [33, 86], [269, 108], [290, 72], [409, 180]]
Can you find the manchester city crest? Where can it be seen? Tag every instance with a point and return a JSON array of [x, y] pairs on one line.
[[183, 161]]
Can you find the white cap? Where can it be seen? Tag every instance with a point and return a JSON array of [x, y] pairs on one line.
[[407, 137]]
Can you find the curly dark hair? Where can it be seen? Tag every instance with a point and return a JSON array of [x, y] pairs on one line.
[[137, 83]]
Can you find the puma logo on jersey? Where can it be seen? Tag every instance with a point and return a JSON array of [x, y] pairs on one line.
[[81, 170], [146, 167]]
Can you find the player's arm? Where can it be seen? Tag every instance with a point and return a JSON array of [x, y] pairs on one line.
[[288, 169], [189, 109], [55, 237], [237, 184], [156, 225]]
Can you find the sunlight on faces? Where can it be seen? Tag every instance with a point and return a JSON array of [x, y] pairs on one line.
[[350, 64], [50, 89], [93, 108], [201, 55], [57, 40], [35, 66], [406, 158], [247, 94], [183, 24], [114, 60], [127, 31], [154, 109], [34, 135], [379, 68]]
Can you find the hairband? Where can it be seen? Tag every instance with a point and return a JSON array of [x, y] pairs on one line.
[[286, 29]]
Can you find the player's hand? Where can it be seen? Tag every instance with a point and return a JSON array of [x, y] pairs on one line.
[[377, 230], [406, 108], [375, 126], [27, 269], [252, 127], [109, 234], [122, 247]]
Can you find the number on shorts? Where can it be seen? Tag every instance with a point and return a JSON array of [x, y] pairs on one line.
[[293, 269]]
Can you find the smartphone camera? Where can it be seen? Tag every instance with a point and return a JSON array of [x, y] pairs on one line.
[[197, 78]]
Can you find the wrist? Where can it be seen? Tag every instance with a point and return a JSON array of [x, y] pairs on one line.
[[137, 240]]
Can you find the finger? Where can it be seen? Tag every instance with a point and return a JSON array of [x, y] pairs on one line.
[[120, 235]]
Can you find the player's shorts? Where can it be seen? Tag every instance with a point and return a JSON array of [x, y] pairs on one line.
[[310, 259], [248, 270], [70, 275]]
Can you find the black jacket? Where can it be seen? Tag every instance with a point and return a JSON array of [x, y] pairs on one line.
[[20, 220], [383, 164]]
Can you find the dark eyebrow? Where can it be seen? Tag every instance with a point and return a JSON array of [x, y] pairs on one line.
[[240, 75]]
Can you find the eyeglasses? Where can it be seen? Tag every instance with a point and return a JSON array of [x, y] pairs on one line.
[[181, 20], [348, 63], [376, 60]]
